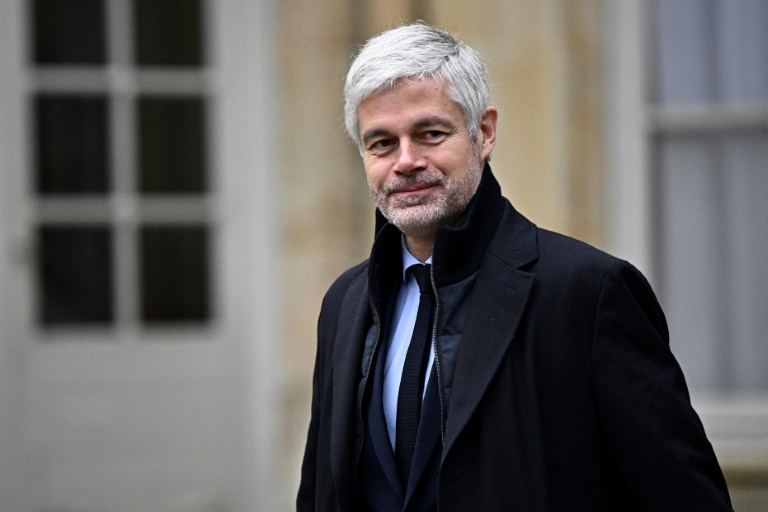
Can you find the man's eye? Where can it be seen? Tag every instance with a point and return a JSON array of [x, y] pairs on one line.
[[381, 145], [433, 135]]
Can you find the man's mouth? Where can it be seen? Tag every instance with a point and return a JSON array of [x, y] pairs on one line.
[[414, 189]]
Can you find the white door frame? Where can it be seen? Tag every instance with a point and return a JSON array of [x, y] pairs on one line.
[[247, 70]]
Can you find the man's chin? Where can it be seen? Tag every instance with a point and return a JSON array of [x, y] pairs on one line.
[[416, 223]]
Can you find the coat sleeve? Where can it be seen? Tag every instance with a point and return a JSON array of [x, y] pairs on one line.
[[306, 498], [313, 488], [654, 436]]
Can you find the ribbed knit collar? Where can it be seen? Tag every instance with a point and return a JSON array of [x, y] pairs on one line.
[[458, 250]]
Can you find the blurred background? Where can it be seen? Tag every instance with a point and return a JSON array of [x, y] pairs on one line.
[[177, 192]]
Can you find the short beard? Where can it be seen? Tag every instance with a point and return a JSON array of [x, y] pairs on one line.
[[416, 217]]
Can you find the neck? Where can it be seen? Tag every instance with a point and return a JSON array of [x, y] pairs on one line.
[[420, 247]]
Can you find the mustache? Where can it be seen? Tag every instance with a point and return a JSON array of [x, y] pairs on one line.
[[402, 182]]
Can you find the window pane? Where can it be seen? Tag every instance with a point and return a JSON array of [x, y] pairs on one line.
[[685, 51], [174, 273], [69, 32], [72, 147], [75, 269], [714, 242], [711, 51], [743, 50], [168, 33], [745, 226], [691, 249], [172, 144]]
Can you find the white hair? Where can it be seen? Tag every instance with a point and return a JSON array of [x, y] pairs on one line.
[[416, 52]]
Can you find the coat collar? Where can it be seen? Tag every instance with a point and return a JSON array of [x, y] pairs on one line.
[[458, 250]]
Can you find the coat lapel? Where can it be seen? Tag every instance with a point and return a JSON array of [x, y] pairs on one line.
[[500, 296], [354, 322]]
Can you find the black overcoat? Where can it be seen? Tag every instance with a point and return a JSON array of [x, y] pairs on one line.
[[566, 396]]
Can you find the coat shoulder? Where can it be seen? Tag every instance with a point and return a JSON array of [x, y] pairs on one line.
[[341, 284], [562, 250], [334, 297]]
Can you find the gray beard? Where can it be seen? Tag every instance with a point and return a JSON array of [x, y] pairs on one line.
[[416, 217]]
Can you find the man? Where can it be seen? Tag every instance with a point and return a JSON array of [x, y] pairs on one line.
[[545, 382]]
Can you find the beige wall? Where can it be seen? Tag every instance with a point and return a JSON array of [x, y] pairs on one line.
[[543, 59]]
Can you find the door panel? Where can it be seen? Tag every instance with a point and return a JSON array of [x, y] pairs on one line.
[[127, 385]]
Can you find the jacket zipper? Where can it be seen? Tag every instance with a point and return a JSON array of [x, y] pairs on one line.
[[377, 319], [437, 355]]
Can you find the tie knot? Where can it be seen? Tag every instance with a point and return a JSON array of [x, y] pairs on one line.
[[421, 273]]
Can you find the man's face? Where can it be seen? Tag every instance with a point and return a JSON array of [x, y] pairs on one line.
[[421, 164]]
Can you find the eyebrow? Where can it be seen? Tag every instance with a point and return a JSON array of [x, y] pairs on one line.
[[372, 134], [434, 121], [420, 124]]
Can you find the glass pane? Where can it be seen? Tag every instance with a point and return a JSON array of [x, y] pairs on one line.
[[75, 269], [745, 225], [743, 50], [69, 32], [714, 245], [689, 187], [685, 51], [174, 273], [168, 32], [711, 51], [72, 148], [172, 144]]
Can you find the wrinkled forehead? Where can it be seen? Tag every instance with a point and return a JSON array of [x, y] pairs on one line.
[[442, 88]]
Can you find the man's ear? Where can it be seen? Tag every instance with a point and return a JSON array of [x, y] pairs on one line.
[[487, 132]]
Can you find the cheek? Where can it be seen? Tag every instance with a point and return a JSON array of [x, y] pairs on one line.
[[376, 175], [455, 159]]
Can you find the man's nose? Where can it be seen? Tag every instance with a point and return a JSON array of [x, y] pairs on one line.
[[409, 158]]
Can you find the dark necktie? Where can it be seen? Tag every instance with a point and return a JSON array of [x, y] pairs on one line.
[[412, 381]]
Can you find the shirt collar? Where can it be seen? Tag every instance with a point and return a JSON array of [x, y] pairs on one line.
[[409, 259]]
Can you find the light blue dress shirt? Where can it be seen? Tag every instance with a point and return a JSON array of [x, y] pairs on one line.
[[403, 321]]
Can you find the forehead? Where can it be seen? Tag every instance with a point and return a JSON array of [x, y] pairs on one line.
[[408, 103]]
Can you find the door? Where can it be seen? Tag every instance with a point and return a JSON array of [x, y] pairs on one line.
[[131, 387]]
